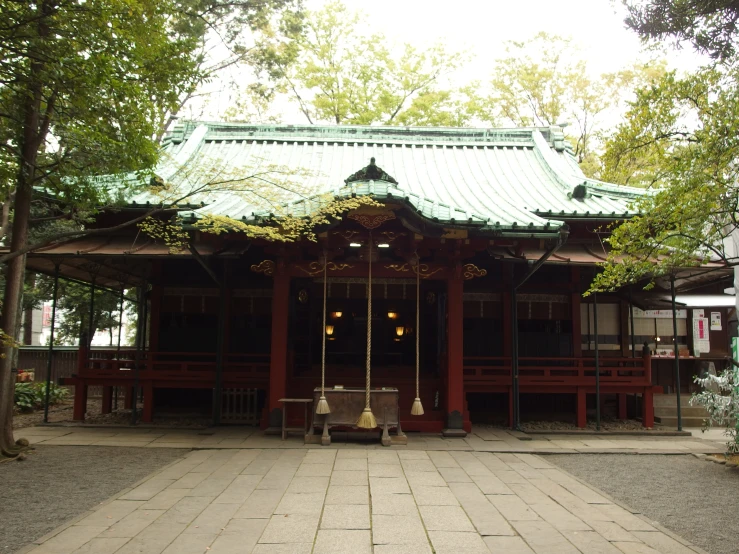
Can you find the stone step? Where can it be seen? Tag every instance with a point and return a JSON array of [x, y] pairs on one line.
[[670, 399], [687, 411], [687, 421]]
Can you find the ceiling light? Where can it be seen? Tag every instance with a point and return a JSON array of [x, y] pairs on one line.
[[355, 244], [383, 245]]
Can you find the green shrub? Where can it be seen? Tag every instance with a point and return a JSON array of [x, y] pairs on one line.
[[30, 396]]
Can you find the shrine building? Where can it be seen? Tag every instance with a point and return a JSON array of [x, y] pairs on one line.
[[462, 286]]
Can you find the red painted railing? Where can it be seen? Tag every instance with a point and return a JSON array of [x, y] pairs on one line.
[[558, 371], [183, 367]]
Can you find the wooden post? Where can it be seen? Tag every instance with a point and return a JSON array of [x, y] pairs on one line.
[[648, 407], [455, 404], [278, 355], [575, 306], [621, 405], [147, 415], [582, 406]]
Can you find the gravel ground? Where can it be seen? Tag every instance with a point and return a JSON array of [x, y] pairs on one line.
[[693, 498], [56, 483]]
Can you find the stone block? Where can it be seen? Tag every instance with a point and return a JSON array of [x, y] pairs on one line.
[[345, 516], [434, 496], [340, 494], [508, 545], [330, 541], [447, 542], [301, 503], [298, 528], [349, 478], [445, 518], [512, 507], [393, 529]]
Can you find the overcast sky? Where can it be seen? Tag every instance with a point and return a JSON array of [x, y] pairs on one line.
[[483, 26]]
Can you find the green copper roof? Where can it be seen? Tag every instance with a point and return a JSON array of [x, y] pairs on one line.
[[515, 180]]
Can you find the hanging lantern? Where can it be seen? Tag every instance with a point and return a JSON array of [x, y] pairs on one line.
[[329, 330], [336, 315], [400, 330], [392, 315]]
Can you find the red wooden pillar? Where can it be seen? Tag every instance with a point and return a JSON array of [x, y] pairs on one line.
[[648, 407], [278, 355], [582, 407], [80, 389], [455, 404], [128, 398], [147, 415], [107, 404]]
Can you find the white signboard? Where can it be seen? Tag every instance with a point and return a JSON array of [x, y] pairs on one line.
[[701, 342], [660, 314], [699, 313], [715, 321]]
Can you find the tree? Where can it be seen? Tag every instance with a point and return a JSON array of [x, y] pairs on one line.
[[710, 25], [339, 73], [544, 81], [81, 85], [682, 133]]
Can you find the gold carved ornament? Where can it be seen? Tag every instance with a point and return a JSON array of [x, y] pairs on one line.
[[315, 268], [424, 269], [265, 266], [470, 271]]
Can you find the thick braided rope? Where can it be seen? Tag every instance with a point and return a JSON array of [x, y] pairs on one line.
[[323, 350], [369, 327], [418, 321]]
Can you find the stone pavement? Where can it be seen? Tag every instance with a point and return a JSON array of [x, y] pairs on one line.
[[482, 439], [360, 500]]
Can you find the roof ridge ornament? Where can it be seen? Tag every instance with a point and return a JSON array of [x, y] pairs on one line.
[[370, 173]]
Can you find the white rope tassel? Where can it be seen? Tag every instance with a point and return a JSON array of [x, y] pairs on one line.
[[417, 408], [323, 407], [367, 419]]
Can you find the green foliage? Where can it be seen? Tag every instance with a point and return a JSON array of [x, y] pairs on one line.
[[545, 81], [339, 73], [32, 396], [710, 25], [682, 133]]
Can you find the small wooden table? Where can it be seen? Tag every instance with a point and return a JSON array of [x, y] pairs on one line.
[[306, 422]]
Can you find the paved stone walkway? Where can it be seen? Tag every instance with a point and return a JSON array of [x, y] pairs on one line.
[[482, 439], [357, 501]]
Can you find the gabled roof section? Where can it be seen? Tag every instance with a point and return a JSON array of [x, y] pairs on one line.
[[503, 180]]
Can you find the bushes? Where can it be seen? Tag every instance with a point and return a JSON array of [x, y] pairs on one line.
[[31, 396], [721, 398]]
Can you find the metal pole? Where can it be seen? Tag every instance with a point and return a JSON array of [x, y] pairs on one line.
[[677, 355], [91, 324], [118, 349], [597, 362], [137, 362], [514, 358], [50, 355], [220, 344]]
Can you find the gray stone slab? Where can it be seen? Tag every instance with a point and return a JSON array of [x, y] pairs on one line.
[[385, 470], [389, 485], [308, 484], [213, 519], [301, 503], [298, 528], [393, 529], [445, 518], [69, 540], [349, 478], [543, 538], [425, 478], [413, 455], [625, 519], [189, 481], [239, 489], [345, 516], [332, 541], [340, 494], [165, 499], [512, 507], [294, 548], [111, 513], [490, 484], [260, 504], [314, 470], [394, 504], [434, 496], [447, 542], [102, 546], [559, 517], [240, 535], [185, 511], [484, 516], [507, 545], [420, 548], [591, 542], [612, 531], [636, 548], [212, 486], [454, 475], [510, 476], [350, 464], [443, 460], [417, 465], [133, 523], [663, 543], [352, 454], [383, 457], [190, 544], [148, 489]]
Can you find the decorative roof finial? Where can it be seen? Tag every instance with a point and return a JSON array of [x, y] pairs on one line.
[[370, 173]]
